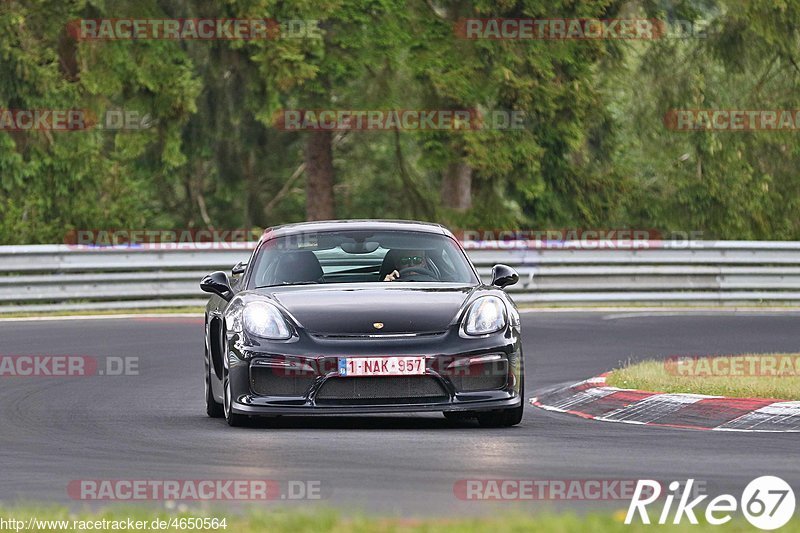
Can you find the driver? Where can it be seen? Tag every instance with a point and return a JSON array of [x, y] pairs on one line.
[[409, 259]]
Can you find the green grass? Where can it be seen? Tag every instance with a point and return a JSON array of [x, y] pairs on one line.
[[657, 376], [321, 521]]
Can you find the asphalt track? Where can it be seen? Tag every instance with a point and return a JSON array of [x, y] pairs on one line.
[[152, 426]]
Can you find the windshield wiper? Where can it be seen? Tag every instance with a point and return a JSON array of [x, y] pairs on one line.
[[288, 283], [361, 270]]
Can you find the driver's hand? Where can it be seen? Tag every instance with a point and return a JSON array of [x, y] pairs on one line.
[[391, 276]]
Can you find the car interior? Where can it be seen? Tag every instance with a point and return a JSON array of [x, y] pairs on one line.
[[348, 262]]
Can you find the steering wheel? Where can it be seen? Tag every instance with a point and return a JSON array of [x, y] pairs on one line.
[[416, 273]]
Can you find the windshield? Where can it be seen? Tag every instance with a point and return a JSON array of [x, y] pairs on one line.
[[360, 256]]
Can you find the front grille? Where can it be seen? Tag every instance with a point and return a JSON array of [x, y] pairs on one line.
[[266, 381], [376, 335], [382, 389], [480, 377]]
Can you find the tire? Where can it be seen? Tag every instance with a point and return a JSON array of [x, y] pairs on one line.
[[233, 419], [458, 416], [214, 409], [503, 418]]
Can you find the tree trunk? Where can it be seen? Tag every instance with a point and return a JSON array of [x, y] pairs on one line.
[[456, 191], [252, 188], [319, 176]]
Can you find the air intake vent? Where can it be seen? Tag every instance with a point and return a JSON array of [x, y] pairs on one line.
[[382, 389], [266, 381]]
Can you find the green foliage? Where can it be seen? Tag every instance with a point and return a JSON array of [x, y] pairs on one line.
[[254, 518], [731, 185], [594, 151]]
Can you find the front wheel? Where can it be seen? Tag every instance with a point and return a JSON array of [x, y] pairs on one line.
[[233, 419], [503, 418], [213, 408], [458, 416]]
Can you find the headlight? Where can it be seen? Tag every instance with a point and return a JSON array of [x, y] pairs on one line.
[[264, 320], [486, 315]]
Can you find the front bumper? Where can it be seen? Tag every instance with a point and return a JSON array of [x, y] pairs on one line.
[[305, 410], [486, 377]]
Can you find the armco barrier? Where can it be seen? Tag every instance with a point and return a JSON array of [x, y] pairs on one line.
[[61, 277]]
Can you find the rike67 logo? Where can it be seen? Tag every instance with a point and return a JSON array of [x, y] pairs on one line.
[[767, 502]]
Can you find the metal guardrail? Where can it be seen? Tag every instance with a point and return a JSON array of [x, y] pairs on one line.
[[62, 277]]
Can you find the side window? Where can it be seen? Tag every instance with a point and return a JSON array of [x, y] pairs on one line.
[[264, 267]]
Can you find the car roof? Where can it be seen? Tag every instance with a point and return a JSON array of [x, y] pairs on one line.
[[356, 225]]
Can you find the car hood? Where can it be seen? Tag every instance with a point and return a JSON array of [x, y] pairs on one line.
[[358, 309]]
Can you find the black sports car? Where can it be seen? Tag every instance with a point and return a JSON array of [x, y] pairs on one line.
[[362, 316]]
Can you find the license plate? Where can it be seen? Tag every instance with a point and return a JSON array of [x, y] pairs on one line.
[[381, 366]]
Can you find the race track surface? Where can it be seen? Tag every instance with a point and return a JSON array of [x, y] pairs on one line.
[[153, 426]]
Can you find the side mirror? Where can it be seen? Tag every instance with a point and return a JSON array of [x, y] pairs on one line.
[[217, 283], [503, 276], [239, 268]]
